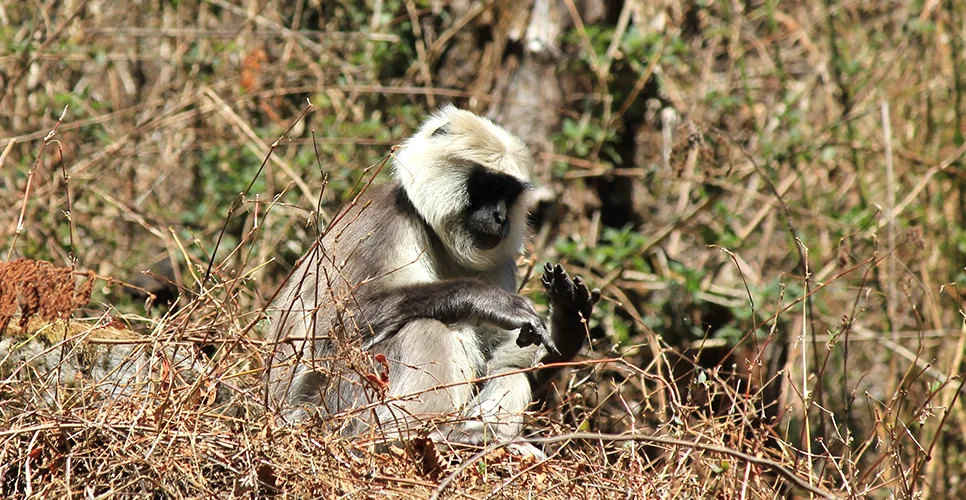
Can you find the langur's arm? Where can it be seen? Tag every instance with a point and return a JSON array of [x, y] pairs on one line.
[[455, 301]]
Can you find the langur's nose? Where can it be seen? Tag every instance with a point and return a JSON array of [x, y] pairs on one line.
[[499, 213]]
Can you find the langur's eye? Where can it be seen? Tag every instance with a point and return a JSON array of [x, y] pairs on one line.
[[443, 130]]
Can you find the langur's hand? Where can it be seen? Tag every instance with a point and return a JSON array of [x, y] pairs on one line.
[[517, 313], [531, 336], [570, 297]]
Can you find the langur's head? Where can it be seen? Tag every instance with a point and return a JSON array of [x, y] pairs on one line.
[[469, 179]]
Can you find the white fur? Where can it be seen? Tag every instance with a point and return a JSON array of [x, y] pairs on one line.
[[426, 166]]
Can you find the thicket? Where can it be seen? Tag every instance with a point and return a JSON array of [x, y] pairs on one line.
[[771, 196]]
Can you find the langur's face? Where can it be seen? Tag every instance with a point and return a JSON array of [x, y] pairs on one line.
[[490, 214], [469, 180]]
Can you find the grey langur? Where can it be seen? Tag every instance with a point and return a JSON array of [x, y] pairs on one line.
[[423, 272]]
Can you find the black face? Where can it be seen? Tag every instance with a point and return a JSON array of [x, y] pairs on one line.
[[492, 195]]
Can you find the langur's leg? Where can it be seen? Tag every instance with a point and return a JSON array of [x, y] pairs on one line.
[[496, 414], [424, 356]]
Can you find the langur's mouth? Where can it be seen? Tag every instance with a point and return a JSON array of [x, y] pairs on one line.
[[485, 241]]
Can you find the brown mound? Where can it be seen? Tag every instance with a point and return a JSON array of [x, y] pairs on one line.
[[41, 289]]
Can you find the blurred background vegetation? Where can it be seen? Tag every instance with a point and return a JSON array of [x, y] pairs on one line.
[[764, 190]]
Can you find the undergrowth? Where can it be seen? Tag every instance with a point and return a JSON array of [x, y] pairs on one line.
[[769, 194]]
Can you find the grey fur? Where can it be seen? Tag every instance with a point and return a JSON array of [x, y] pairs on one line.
[[385, 277]]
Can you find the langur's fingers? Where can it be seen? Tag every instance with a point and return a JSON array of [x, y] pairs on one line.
[[547, 282], [526, 336], [595, 295], [559, 272], [547, 342], [547, 278], [562, 281], [583, 293]]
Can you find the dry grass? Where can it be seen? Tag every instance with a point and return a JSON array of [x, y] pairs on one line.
[[92, 408], [782, 312], [180, 424]]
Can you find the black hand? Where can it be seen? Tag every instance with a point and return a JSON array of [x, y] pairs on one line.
[[528, 336], [572, 303], [533, 331], [572, 296]]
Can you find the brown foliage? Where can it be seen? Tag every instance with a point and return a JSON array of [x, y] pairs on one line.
[[41, 289]]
